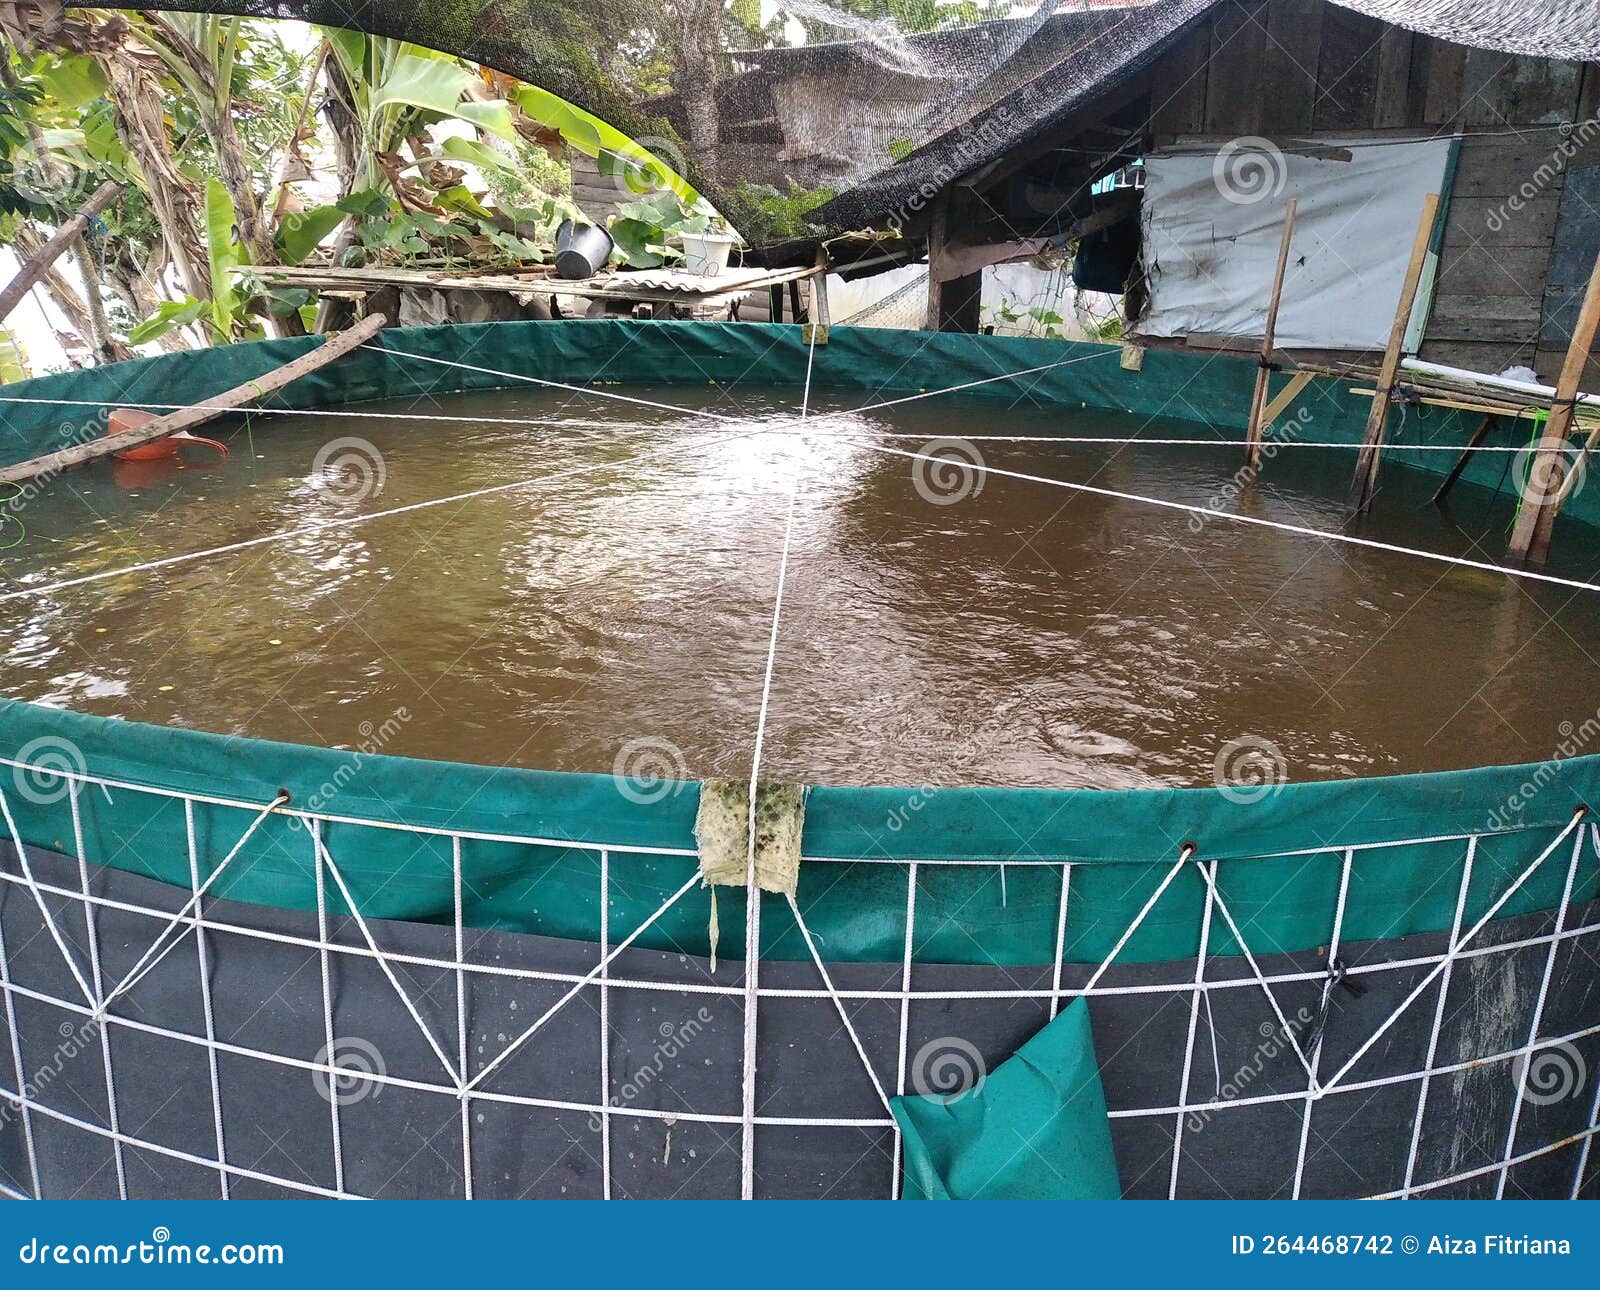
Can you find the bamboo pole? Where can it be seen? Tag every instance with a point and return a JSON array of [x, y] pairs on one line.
[[336, 346], [1279, 403], [52, 250], [1258, 404], [1570, 483], [1365, 482], [1543, 493]]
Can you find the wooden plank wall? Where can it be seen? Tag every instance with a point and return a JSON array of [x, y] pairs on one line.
[[596, 195], [1282, 68]]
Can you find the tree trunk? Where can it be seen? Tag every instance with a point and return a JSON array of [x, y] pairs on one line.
[[699, 40], [216, 118], [141, 301], [339, 112], [68, 301], [234, 170], [140, 118], [100, 338]]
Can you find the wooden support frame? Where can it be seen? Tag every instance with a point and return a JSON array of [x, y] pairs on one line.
[[34, 270], [1545, 488], [1365, 482], [336, 346], [953, 299], [815, 332], [1279, 403], [1478, 436], [1258, 403]]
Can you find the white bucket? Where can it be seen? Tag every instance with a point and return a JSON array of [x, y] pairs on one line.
[[706, 254]]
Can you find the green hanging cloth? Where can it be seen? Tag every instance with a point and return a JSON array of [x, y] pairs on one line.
[[1035, 1129]]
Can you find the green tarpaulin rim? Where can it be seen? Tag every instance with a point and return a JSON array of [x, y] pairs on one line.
[[1412, 828]]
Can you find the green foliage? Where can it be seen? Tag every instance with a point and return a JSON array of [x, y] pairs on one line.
[[170, 314], [226, 256], [593, 137], [780, 215], [643, 245], [301, 233], [13, 359]]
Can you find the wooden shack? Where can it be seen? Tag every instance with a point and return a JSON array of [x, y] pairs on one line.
[[1510, 92]]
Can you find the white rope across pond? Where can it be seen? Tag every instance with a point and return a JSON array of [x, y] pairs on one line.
[[723, 416], [353, 520], [752, 886], [1065, 439], [802, 424], [1211, 512]]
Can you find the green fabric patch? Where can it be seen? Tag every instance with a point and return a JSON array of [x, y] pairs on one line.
[[722, 832], [1035, 1129]]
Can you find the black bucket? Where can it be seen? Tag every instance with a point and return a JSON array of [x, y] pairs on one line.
[[581, 250]]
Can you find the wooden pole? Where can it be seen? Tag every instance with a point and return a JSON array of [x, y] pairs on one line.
[[816, 330], [1365, 482], [1258, 404], [1571, 481], [1466, 456], [1541, 497], [51, 251], [938, 232], [336, 346]]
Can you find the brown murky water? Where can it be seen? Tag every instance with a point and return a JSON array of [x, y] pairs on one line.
[[1022, 635]]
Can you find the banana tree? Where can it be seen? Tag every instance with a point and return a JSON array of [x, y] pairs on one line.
[[201, 53], [13, 358]]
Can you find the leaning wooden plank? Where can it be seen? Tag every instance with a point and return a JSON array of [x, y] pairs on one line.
[[52, 250], [1478, 436], [1283, 398], [1530, 539], [334, 347], [1264, 368], [1365, 482]]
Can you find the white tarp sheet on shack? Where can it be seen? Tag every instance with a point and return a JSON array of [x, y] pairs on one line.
[[1214, 217]]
